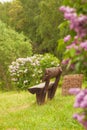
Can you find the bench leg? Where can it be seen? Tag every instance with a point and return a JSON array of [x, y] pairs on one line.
[[40, 97], [51, 92]]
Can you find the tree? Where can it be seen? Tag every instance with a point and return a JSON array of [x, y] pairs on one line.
[[49, 19], [16, 15], [4, 12], [12, 46]]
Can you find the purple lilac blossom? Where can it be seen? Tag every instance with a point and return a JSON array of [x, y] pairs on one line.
[[80, 102], [84, 123], [74, 91], [84, 45], [77, 23], [79, 117], [78, 52], [67, 38], [72, 46], [83, 104], [66, 9], [65, 61], [79, 97], [72, 66], [76, 104]]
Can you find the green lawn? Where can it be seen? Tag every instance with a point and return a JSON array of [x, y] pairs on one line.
[[19, 111]]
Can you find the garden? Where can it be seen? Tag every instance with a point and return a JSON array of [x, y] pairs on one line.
[[37, 38]]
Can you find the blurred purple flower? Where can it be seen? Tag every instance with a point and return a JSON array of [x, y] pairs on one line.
[[80, 96], [85, 98], [79, 117], [84, 45], [72, 66], [74, 91], [84, 123], [65, 62], [77, 23], [75, 116], [83, 104], [78, 52], [72, 46], [62, 8], [67, 38], [66, 9], [76, 105]]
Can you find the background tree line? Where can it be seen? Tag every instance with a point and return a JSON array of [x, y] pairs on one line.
[[37, 19]]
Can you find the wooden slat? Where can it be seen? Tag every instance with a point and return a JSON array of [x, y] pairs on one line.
[[37, 88]]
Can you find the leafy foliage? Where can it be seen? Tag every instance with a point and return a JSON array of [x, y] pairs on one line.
[[12, 46], [16, 16], [38, 19], [49, 19]]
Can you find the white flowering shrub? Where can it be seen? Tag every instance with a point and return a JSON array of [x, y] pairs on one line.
[[26, 72]]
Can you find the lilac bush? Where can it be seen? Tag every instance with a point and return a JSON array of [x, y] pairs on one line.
[[80, 102], [75, 57], [25, 70], [28, 71], [76, 42]]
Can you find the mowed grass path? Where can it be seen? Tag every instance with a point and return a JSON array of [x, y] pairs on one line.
[[19, 111]]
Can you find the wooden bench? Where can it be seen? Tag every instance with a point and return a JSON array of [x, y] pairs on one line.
[[47, 88]]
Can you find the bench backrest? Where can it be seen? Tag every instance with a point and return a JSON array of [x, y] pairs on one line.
[[53, 72]]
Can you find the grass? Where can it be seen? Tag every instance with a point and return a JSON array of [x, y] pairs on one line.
[[19, 111]]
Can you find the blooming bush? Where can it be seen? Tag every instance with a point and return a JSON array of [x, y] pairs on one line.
[[76, 42], [75, 56], [80, 102], [28, 71]]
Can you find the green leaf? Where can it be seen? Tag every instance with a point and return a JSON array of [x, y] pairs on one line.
[[63, 25], [61, 45], [77, 66], [72, 52]]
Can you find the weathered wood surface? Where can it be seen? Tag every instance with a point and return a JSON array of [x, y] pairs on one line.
[[52, 90], [47, 88], [52, 72], [37, 88]]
